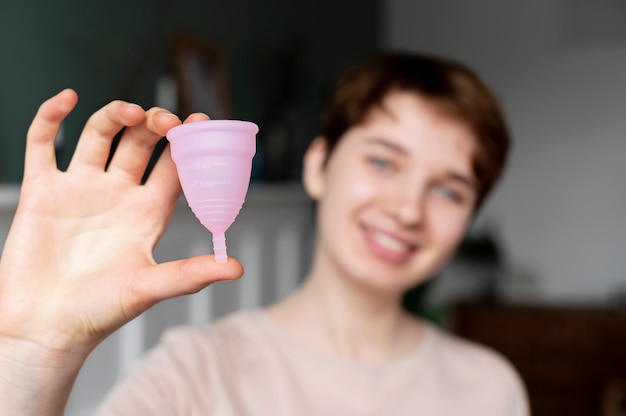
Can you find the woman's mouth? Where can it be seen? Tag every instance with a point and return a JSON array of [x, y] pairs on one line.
[[388, 246]]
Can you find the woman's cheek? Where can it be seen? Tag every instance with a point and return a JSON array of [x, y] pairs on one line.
[[363, 190], [452, 228]]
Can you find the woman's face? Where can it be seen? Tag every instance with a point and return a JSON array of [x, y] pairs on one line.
[[395, 196]]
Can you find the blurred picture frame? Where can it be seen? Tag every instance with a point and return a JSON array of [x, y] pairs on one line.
[[199, 68]]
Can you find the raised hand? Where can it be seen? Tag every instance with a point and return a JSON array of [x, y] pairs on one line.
[[77, 263]]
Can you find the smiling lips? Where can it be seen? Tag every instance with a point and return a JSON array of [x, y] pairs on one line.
[[388, 246]]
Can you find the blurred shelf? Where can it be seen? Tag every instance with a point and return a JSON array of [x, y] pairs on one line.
[[569, 356], [9, 195]]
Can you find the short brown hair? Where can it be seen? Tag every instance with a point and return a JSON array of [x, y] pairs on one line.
[[450, 85]]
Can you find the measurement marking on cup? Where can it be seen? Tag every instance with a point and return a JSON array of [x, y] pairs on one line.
[[211, 183], [205, 165]]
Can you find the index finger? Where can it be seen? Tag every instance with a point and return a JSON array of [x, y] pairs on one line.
[[196, 117]]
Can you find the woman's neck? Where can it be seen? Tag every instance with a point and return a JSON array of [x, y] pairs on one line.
[[337, 317]]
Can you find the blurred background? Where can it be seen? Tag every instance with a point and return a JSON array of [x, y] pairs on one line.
[[541, 276]]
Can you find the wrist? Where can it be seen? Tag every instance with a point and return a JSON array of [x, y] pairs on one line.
[[36, 380]]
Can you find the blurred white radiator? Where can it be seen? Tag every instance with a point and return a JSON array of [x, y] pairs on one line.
[[272, 237]]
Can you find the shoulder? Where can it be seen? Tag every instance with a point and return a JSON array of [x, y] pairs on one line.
[[231, 329], [187, 354], [186, 370], [461, 354], [471, 367]]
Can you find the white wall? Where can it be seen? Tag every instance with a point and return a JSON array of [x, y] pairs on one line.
[[560, 68]]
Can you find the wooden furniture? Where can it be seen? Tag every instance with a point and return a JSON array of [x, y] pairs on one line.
[[572, 358]]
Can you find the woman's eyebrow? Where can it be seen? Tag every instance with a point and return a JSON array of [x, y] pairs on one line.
[[463, 179], [381, 141], [456, 176]]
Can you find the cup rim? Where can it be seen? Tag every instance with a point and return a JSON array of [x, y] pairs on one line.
[[213, 125]]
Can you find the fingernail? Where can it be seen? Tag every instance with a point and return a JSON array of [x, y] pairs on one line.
[[166, 113], [132, 105]]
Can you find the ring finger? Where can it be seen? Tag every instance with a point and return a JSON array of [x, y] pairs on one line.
[[94, 145]]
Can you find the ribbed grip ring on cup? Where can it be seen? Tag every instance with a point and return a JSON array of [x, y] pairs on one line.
[[217, 211]]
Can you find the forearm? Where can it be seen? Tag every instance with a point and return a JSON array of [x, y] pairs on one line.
[[34, 380]]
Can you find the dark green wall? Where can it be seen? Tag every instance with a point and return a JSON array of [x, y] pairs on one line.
[[118, 48]]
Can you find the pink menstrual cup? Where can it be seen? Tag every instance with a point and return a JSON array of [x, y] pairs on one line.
[[214, 163]]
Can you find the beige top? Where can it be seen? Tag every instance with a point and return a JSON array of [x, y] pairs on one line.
[[245, 365]]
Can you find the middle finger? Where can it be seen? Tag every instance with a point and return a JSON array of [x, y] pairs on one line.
[[94, 145], [137, 144]]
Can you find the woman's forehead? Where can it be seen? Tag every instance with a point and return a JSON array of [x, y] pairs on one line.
[[408, 118]]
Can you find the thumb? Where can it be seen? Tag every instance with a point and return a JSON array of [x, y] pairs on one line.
[[181, 277]]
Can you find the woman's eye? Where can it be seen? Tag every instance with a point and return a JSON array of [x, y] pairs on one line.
[[381, 164], [449, 193]]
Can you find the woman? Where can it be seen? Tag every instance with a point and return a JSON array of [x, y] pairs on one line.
[[410, 148]]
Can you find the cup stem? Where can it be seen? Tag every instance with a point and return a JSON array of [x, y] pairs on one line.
[[219, 247]]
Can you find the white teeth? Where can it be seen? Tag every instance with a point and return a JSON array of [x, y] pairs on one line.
[[388, 242]]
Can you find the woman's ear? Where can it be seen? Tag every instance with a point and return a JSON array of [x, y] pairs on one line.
[[313, 172]]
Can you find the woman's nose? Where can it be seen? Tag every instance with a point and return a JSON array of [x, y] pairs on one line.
[[408, 204]]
